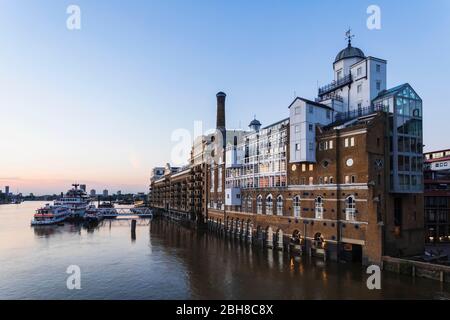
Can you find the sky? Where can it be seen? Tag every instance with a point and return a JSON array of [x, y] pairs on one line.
[[100, 105]]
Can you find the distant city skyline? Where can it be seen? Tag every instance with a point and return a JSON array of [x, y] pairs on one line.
[[99, 105]]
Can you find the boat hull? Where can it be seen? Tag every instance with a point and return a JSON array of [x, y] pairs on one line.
[[48, 222]]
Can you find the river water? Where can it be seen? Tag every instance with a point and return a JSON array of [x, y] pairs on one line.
[[170, 261]]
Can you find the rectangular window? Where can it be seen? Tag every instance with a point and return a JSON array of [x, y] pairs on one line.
[[303, 167], [378, 68], [297, 146], [359, 71], [353, 179], [311, 167], [297, 110], [359, 88], [311, 109], [311, 127], [328, 114], [297, 129], [321, 146], [330, 144], [352, 142], [347, 179], [378, 85], [339, 75], [346, 142], [311, 146], [311, 180]]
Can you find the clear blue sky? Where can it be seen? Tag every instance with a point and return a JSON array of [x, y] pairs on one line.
[[99, 105]]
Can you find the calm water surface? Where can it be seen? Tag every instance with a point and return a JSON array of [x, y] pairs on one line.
[[169, 261]]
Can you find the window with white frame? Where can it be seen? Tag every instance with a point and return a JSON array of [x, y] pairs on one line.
[[319, 208], [249, 204], [280, 205], [296, 206], [212, 179], [259, 205], [269, 205], [350, 209]]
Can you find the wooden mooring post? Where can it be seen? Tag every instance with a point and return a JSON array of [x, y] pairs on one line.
[[133, 229]]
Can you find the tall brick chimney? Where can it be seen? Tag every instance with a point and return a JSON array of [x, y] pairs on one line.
[[221, 111]]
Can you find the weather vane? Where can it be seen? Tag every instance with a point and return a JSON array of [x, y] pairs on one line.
[[349, 36]]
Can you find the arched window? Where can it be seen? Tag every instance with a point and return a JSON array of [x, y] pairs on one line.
[[259, 204], [249, 204], [269, 205], [297, 208], [350, 208], [280, 205], [318, 240], [319, 208]]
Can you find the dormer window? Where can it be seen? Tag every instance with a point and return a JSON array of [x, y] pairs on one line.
[[339, 75]]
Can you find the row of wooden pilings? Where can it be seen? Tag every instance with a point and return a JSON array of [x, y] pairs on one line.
[[245, 231]]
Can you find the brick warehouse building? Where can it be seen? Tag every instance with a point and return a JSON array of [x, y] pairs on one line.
[[341, 177], [437, 196]]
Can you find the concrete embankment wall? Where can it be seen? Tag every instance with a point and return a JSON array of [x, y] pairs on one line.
[[417, 269]]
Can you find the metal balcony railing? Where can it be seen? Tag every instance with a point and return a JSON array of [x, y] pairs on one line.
[[353, 114], [335, 85]]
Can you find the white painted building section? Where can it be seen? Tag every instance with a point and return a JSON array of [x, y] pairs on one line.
[[304, 116]]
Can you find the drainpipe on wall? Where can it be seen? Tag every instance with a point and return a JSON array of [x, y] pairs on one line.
[[338, 192]]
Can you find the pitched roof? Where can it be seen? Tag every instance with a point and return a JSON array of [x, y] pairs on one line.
[[395, 90], [317, 104]]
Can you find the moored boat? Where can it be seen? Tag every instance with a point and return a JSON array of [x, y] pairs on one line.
[[76, 200], [50, 215], [93, 214]]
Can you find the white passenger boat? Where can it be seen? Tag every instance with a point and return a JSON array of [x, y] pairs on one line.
[[50, 215], [76, 200]]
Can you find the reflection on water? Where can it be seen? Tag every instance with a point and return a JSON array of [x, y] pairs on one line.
[[168, 261]]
